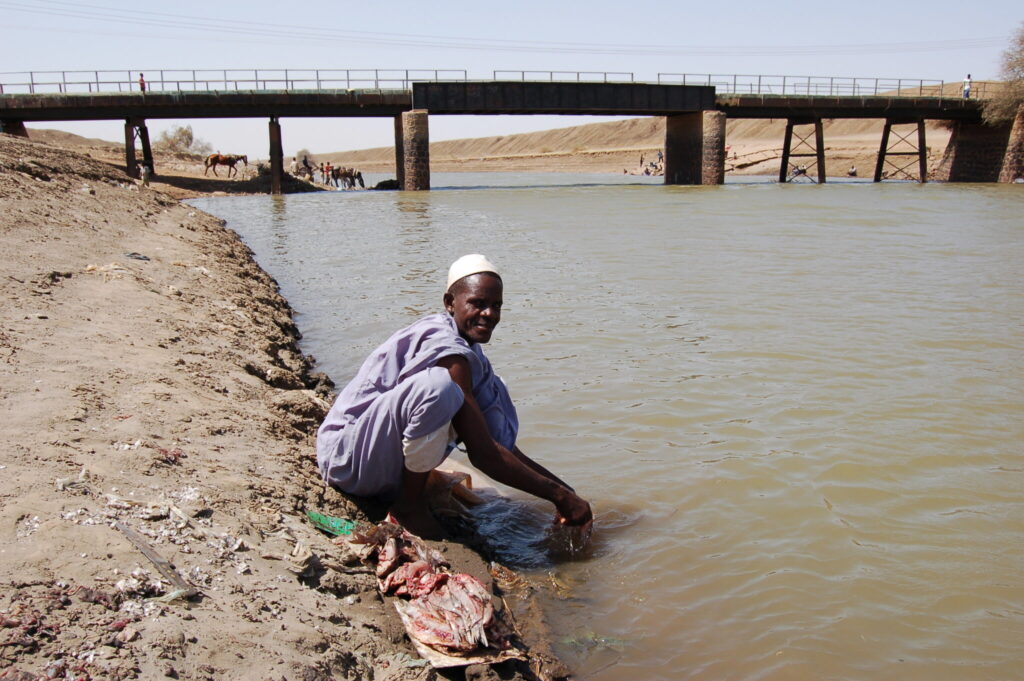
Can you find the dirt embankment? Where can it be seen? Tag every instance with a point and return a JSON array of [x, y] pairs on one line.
[[151, 378], [179, 175]]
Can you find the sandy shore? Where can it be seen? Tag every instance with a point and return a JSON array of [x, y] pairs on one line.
[[152, 378], [754, 147]]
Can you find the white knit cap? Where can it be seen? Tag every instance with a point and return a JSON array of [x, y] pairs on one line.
[[470, 264]]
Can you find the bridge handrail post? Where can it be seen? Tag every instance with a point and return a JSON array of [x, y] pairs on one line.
[[783, 85], [875, 93], [31, 82], [759, 84], [831, 86], [317, 73]]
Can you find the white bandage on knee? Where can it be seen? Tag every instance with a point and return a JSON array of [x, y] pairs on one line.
[[423, 454]]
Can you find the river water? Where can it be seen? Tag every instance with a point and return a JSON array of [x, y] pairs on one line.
[[798, 411]]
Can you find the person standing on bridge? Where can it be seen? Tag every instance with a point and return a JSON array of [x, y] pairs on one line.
[[142, 83], [967, 87], [424, 389]]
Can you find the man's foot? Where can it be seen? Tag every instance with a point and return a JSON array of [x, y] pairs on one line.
[[419, 521]]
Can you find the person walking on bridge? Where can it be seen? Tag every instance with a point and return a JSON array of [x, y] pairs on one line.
[[142, 83], [967, 87]]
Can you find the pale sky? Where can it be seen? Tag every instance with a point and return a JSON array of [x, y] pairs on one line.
[[936, 40]]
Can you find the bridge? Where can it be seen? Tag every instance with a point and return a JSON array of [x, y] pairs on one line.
[[695, 106]]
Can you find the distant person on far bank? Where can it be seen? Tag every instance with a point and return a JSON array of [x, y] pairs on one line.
[[967, 87], [142, 83], [293, 167]]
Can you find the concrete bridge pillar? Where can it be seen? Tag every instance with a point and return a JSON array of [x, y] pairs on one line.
[[399, 153], [147, 150], [276, 156], [14, 128], [976, 153], [416, 150], [1013, 160], [131, 165], [713, 164], [136, 128], [683, 143]]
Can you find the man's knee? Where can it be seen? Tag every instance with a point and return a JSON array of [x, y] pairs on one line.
[[430, 400]]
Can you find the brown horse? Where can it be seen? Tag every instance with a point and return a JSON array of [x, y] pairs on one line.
[[229, 160], [349, 177]]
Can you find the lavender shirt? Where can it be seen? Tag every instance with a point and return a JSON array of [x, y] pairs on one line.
[[367, 463]]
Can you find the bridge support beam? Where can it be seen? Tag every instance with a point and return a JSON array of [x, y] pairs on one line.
[[16, 128], [802, 149], [683, 144], [713, 148], [903, 146], [136, 128], [415, 150], [276, 156], [399, 153]]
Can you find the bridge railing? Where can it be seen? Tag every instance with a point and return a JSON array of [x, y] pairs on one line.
[[825, 86], [220, 80], [230, 80], [565, 76]]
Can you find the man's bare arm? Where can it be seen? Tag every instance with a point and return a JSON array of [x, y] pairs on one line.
[[503, 465]]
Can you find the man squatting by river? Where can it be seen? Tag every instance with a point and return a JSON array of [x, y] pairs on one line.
[[428, 386]]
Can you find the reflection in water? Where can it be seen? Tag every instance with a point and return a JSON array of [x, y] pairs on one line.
[[416, 203], [796, 410], [279, 224]]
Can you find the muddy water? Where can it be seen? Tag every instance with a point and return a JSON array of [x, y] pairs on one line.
[[797, 410]]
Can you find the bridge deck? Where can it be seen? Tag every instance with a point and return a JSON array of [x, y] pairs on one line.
[[637, 99], [810, 107], [254, 104], [642, 99]]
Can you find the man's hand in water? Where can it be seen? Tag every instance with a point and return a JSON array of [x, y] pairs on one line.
[[572, 510]]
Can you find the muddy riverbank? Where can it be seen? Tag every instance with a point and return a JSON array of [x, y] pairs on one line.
[[153, 381]]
